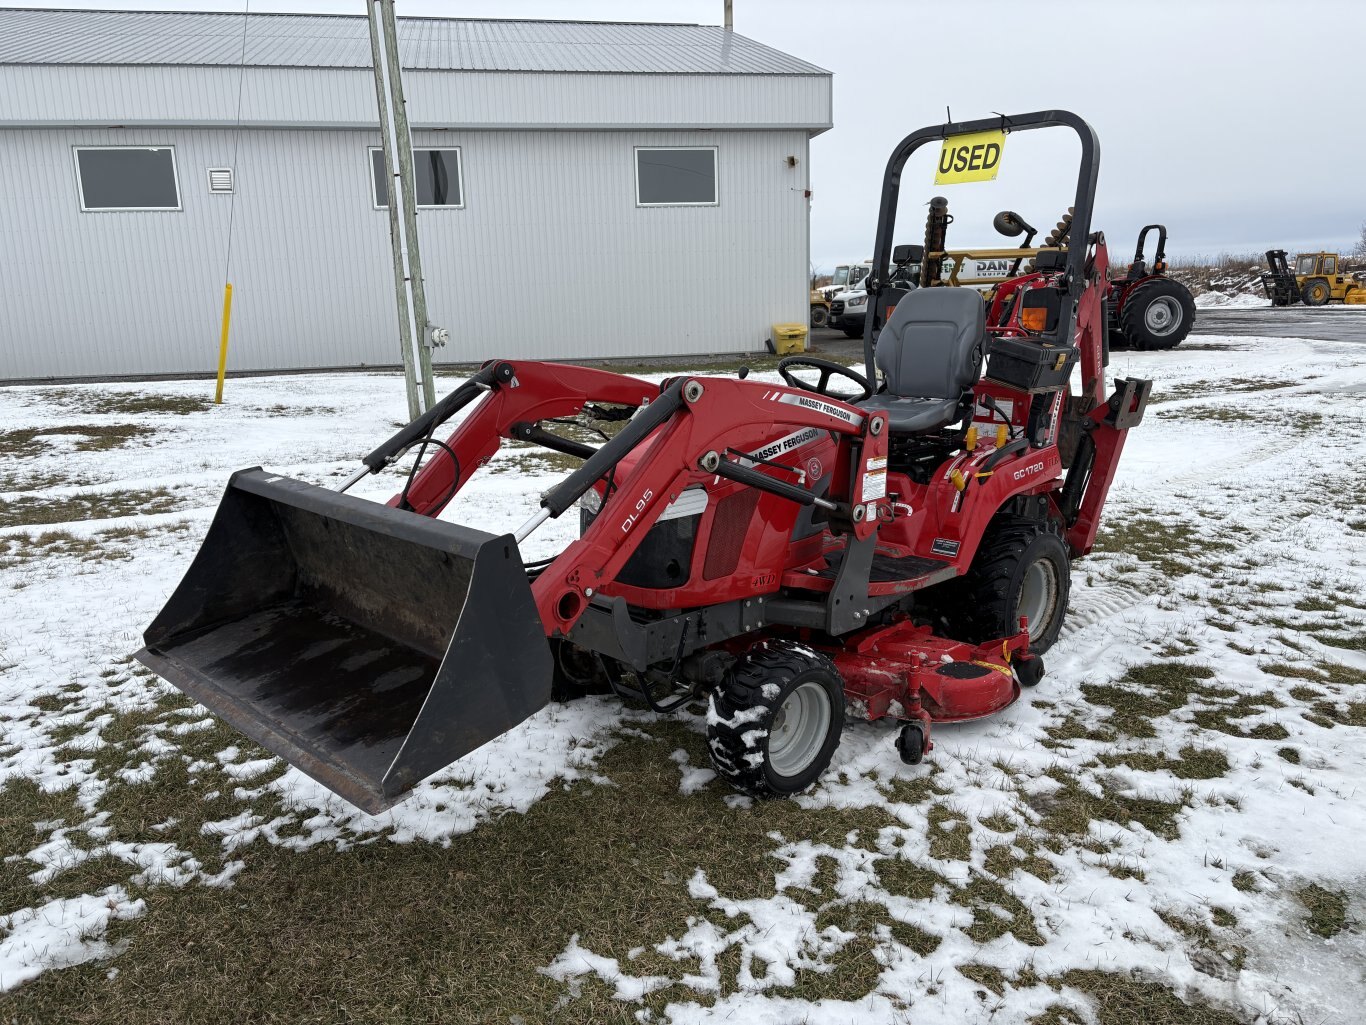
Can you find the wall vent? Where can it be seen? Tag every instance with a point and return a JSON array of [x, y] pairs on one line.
[[220, 180]]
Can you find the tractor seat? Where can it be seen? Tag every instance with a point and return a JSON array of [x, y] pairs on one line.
[[929, 353]]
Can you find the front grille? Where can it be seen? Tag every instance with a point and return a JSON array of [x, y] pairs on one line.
[[729, 527], [836, 308]]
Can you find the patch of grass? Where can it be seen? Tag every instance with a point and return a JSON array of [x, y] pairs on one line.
[[1246, 882], [1002, 861], [100, 402], [1315, 604], [950, 834], [1326, 910], [1190, 763], [1219, 414], [102, 546], [915, 938], [28, 511], [1118, 998], [33, 441], [1348, 713], [1070, 810], [999, 823], [906, 877], [390, 931], [1354, 640], [985, 975], [1290, 755], [996, 911], [1173, 549], [22, 803], [1149, 693]]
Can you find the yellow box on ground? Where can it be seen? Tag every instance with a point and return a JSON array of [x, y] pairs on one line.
[[970, 158], [789, 338]]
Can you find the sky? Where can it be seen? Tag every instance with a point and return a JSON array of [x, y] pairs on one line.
[[1220, 118]]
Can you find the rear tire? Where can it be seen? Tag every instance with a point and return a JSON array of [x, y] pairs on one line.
[[1157, 314], [1021, 568], [774, 723], [1316, 293], [820, 316]]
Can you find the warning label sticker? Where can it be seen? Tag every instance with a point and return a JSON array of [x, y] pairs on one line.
[[874, 485]]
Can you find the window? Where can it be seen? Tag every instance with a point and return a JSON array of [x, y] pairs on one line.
[[1330, 265], [1305, 264], [127, 178], [676, 177], [437, 174]]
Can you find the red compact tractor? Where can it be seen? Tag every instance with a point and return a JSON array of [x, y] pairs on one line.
[[1149, 310], [788, 552]]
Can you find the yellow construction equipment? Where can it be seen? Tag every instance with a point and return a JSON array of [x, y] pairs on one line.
[[1317, 280]]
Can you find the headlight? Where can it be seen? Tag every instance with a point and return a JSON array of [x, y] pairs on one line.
[[859, 300], [591, 502]]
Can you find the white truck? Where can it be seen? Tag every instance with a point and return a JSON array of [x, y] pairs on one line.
[[848, 298], [847, 276]]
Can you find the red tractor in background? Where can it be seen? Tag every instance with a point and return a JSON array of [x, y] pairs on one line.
[[1148, 309], [788, 552]]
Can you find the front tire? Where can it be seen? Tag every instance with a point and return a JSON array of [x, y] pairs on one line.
[[820, 316], [1157, 314], [1316, 293], [1021, 569], [853, 332], [774, 723]]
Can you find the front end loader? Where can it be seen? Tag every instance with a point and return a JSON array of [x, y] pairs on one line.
[[791, 553]]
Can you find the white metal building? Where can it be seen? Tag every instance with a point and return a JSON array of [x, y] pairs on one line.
[[590, 189]]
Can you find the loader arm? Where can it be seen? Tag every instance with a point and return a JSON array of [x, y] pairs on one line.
[[723, 411]]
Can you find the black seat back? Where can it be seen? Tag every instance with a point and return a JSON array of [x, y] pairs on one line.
[[933, 345]]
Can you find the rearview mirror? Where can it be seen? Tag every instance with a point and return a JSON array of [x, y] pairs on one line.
[[908, 254]]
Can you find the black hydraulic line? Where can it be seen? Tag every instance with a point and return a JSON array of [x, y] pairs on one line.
[[625, 690], [537, 435], [571, 489], [1004, 452], [484, 379]]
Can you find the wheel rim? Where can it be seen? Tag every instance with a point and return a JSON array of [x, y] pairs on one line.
[[1038, 599], [1163, 316], [799, 729]]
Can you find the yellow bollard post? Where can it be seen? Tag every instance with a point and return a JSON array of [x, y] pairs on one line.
[[223, 344]]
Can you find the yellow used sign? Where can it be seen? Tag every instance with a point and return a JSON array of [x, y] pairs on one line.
[[970, 158]]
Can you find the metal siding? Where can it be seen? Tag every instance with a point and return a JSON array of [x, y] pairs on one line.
[[311, 40], [60, 96], [550, 258]]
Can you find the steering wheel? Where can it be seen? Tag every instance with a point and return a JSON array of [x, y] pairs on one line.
[[827, 369]]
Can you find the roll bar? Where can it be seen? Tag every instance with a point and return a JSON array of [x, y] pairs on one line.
[[1161, 253], [1075, 277]]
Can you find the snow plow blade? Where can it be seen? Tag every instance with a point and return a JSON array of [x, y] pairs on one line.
[[366, 645]]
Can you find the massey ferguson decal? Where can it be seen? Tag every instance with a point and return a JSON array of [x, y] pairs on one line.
[[789, 398], [774, 449]]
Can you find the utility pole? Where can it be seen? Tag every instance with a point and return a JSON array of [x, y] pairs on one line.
[[398, 165]]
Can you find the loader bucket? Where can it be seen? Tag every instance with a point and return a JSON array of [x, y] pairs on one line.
[[366, 645]]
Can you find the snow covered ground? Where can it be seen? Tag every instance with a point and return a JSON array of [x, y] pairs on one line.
[[1178, 806]]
